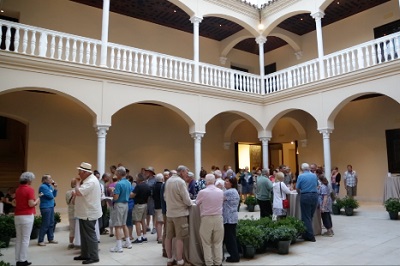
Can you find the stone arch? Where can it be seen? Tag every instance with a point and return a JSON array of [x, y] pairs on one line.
[[187, 7], [253, 31], [297, 125], [344, 101], [58, 91], [178, 110], [292, 120], [246, 116], [231, 127]]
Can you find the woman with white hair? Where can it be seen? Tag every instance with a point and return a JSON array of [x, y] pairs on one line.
[[23, 220], [280, 190]]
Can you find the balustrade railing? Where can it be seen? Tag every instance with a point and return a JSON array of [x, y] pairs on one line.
[[144, 62], [24, 39], [363, 55], [35, 41], [229, 79]]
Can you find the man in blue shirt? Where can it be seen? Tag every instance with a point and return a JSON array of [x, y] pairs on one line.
[[121, 194], [47, 193], [306, 186]]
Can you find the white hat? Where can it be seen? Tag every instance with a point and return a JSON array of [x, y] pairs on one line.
[[150, 169], [87, 167]]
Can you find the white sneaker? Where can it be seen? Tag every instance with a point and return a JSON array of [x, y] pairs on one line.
[[116, 250], [127, 245]]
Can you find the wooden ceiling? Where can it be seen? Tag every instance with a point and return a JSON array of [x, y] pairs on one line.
[[165, 13]]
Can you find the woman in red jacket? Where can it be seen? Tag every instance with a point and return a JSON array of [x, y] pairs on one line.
[[24, 212]]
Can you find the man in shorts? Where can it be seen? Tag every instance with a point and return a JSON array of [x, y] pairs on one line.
[[178, 202], [141, 194], [121, 196]]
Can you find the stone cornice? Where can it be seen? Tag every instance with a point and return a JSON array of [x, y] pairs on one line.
[[237, 6], [276, 7], [66, 69]]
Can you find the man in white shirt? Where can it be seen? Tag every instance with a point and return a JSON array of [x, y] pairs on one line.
[[87, 210]]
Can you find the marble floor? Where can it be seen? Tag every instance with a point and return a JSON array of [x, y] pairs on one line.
[[367, 238]]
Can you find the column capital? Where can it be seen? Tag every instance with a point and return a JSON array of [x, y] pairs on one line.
[[303, 143], [222, 60], [325, 132], [261, 39], [227, 145], [195, 19], [197, 135], [264, 139], [102, 130], [318, 15], [298, 54]]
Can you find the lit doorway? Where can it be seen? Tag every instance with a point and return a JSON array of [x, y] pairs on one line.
[[250, 154]]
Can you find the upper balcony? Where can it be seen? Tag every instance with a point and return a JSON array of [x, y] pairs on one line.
[[34, 42]]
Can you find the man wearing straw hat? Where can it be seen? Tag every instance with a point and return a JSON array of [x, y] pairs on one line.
[[87, 210]]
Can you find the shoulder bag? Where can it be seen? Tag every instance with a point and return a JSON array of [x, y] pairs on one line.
[[285, 202]]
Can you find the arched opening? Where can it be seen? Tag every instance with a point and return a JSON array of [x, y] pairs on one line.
[[13, 151]]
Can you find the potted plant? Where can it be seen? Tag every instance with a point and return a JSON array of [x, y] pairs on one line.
[[392, 206], [349, 205], [7, 229], [251, 202], [250, 238], [57, 219], [337, 206], [283, 235], [296, 224]]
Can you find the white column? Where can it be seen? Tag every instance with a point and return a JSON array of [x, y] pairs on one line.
[[101, 148], [104, 33], [264, 142], [260, 40], [327, 151], [197, 153], [196, 24], [320, 43]]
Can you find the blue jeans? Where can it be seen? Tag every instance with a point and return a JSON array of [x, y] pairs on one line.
[[335, 188], [308, 205], [47, 226]]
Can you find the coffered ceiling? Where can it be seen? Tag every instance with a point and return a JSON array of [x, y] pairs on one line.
[[165, 13]]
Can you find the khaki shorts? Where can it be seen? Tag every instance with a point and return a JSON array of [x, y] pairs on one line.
[[177, 227], [159, 216], [351, 191], [139, 212], [118, 217]]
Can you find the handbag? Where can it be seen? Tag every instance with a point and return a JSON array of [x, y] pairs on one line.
[[285, 202]]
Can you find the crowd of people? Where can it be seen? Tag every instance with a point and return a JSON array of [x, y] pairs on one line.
[[122, 203]]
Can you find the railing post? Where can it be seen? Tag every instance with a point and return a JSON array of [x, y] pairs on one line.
[[317, 17], [196, 21], [260, 40], [153, 65], [104, 33]]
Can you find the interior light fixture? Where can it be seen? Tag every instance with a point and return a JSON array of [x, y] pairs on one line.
[[292, 142], [260, 26]]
